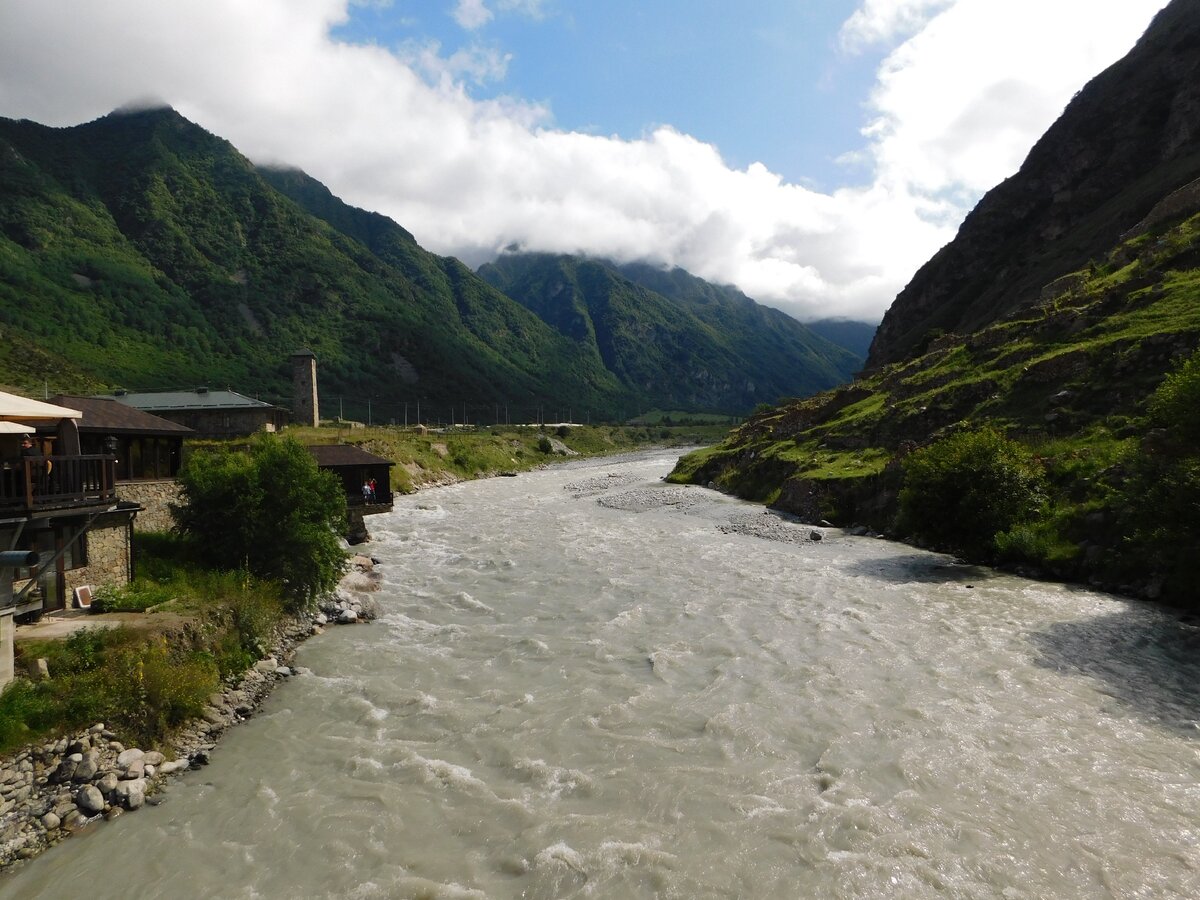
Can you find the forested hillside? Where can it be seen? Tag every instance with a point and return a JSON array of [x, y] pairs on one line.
[[672, 335]]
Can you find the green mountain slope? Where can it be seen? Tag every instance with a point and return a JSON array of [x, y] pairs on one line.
[[694, 345], [141, 251]]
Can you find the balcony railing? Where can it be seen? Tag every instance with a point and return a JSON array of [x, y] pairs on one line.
[[29, 483]]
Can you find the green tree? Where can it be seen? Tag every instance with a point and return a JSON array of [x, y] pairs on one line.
[[1175, 405], [963, 490], [267, 509], [1162, 493]]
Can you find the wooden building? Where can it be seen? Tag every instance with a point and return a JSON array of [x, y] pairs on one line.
[[59, 503], [354, 467], [210, 414]]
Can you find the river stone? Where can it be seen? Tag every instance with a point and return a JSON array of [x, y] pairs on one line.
[[284, 671], [347, 617], [173, 766], [50, 821], [112, 812], [321, 619], [108, 783], [74, 820], [90, 800], [153, 758], [126, 757], [266, 666], [815, 535], [131, 794], [136, 769], [87, 769], [66, 769]]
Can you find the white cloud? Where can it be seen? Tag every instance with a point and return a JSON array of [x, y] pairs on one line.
[[955, 108], [476, 63], [472, 14], [885, 21]]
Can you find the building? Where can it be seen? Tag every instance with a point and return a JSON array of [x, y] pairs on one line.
[[305, 409], [211, 414], [148, 451], [59, 503], [354, 466]]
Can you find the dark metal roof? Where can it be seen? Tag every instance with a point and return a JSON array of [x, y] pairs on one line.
[[178, 401], [335, 455], [106, 415]]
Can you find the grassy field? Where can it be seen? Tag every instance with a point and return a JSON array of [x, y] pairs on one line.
[[467, 453]]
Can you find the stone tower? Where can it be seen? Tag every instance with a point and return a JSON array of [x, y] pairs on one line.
[[304, 388]]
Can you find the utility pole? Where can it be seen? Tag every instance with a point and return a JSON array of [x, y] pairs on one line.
[[368, 411], [406, 414]]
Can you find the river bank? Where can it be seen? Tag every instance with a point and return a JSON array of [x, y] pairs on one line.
[[53, 789]]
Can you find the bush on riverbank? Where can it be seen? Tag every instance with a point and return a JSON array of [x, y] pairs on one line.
[[964, 490], [267, 509]]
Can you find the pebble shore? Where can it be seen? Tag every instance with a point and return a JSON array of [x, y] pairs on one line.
[[51, 790]]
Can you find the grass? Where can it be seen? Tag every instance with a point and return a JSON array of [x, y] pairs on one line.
[[468, 453], [143, 682]]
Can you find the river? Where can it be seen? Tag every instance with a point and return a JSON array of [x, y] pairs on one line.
[[587, 683]]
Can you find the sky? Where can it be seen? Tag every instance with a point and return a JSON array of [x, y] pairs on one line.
[[814, 153]]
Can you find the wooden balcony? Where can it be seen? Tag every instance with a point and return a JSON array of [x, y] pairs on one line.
[[33, 484]]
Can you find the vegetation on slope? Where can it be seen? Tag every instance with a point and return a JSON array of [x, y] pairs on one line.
[[676, 339], [1077, 382]]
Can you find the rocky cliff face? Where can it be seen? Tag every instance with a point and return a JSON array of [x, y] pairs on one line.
[[1129, 139]]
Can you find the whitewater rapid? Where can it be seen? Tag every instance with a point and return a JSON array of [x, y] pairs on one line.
[[587, 683]]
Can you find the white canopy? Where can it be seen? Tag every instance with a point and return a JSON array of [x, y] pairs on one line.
[[16, 428], [23, 409]]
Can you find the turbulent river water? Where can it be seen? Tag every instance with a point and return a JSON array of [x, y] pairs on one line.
[[588, 683]]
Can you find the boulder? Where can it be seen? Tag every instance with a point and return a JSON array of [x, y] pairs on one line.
[[130, 794], [88, 767], [90, 800], [126, 757], [108, 783]]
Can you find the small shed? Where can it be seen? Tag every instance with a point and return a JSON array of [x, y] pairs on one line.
[[355, 466]]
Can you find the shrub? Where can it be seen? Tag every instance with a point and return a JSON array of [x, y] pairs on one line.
[[138, 596], [147, 690], [544, 444], [961, 491], [269, 510], [1175, 405]]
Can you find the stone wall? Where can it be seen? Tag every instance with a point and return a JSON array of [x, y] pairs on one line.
[[108, 559], [154, 497]]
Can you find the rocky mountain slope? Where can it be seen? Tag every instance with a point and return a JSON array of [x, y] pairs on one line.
[[1057, 333], [1126, 141], [673, 335]]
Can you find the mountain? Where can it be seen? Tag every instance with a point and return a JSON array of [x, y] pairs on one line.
[[853, 335], [1062, 326], [1126, 141], [139, 250], [682, 342]]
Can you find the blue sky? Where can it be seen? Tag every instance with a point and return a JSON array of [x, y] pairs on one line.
[[769, 86], [814, 153]]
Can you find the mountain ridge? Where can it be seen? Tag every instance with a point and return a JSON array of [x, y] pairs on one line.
[[139, 250]]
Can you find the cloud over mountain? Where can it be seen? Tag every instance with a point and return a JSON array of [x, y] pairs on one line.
[[954, 109]]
